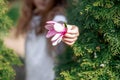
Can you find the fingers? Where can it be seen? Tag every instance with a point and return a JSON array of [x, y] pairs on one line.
[[72, 35], [70, 44], [73, 30], [70, 40]]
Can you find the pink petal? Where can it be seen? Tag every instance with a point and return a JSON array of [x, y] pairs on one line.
[[51, 22], [49, 27], [51, 33]]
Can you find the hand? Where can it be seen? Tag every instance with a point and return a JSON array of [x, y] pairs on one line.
[[72, 35]]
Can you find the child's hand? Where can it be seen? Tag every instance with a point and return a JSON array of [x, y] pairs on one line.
[[72, 35]]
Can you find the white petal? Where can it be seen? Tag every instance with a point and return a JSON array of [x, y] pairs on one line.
[[57, 41], [56, 37], [60, 39], [59, 27], [54, 43]]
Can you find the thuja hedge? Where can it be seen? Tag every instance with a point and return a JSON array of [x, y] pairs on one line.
[[96, 54], [7, 57]]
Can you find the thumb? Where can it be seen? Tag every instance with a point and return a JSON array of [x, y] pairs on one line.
[[69, 27]]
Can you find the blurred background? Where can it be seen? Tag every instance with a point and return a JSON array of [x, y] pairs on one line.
[[13, 13], [96, 54], [16, 44]]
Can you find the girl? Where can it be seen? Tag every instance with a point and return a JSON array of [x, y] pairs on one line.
[[39, 51]]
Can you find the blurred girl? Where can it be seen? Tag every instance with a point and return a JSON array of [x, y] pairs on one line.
[[39, 51]]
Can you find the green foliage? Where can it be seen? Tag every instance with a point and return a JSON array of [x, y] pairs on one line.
[[97, 52], [13, 12], [5, 22], [7, 56]]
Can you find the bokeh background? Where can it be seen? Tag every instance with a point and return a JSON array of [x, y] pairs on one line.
[[11, 48], [95, 56]]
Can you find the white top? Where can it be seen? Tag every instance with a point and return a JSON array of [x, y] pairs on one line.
[[39, 63]]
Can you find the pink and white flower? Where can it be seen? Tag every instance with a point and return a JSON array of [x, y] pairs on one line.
[[56, 31]]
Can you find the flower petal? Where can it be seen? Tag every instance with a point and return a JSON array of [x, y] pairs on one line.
[[49, 26], [56, 37], [51, 22], [59, 27], [60, 39], [51, 33], [54, 43]]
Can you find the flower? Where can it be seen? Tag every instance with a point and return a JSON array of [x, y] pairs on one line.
[[56, 31]]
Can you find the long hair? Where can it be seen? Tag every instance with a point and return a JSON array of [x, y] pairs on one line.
[[27, 13]]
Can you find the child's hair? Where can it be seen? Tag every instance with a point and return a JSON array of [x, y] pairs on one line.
[[28, 11]]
